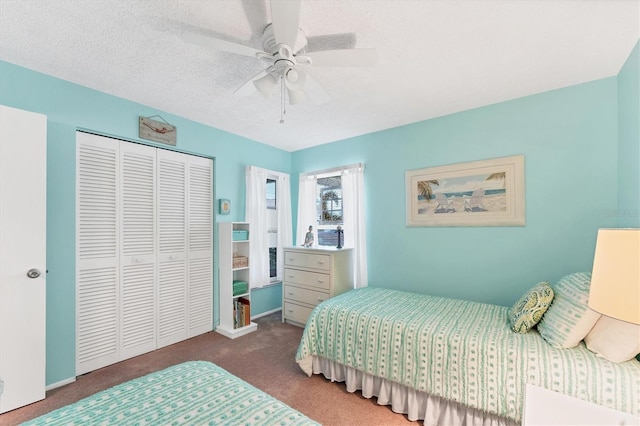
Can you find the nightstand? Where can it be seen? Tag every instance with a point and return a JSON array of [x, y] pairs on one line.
[[545, 407]]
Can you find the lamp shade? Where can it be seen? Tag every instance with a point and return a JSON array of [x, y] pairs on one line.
[[615, 278]]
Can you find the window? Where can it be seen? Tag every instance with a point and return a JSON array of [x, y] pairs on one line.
[[329, 207], [271, 194], [273, 264], [272, 228], [268, 210], [331, 198]]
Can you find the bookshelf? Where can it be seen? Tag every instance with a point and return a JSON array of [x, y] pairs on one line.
[[235, 263]]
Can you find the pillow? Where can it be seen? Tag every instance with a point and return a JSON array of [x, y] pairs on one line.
[[616, 340], [569, 319], [528, 310]]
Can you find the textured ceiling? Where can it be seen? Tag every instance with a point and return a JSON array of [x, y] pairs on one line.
[[435, 57]]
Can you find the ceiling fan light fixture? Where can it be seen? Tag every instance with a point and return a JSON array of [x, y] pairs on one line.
[[294, 78], [292, 75], [266, 85]]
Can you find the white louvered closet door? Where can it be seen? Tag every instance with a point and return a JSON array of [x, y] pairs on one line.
[[172, 247], [200, 245], [137, 249], [144, 249], [97, 281]]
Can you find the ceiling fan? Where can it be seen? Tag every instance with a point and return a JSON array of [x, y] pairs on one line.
[[283, 49]]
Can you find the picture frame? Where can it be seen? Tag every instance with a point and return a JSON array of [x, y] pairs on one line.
[[157, 131], [224, 206], [477, 193]]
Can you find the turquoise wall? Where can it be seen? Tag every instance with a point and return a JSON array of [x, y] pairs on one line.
[[70, 107], [569, 140], [628, 208]]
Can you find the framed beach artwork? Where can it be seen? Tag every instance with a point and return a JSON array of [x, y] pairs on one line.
[[478, 193]]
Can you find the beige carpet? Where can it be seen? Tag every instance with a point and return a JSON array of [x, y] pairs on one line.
[[264, 358]]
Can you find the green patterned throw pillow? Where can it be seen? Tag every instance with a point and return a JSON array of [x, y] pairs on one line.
[[528, 310]]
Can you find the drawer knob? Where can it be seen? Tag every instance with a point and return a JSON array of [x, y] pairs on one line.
[[290, 310], [290, 293], [321, 262], [320, 300], [320, 280]]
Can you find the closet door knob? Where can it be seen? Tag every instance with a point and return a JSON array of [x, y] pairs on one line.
[[33, 273]]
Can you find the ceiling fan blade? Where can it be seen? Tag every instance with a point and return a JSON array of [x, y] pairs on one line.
[[344, 58], [256, 12], [285, 16], [315, 91], [331, 41], [248, 87], [219, 44]]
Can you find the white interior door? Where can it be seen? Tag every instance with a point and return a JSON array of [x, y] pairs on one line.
[[200, 245], [97, 242], [23, 173], [172, 247], [138, 249]]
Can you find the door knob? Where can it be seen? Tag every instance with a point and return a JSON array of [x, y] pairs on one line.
[[33, 273]]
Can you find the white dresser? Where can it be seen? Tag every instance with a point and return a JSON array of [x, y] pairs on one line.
[[312, 275]]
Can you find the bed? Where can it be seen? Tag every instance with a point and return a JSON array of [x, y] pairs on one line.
[[195, 392], [448, 361]]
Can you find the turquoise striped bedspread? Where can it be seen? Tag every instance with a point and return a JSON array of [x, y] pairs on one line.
[[459, 350], [192, 393]]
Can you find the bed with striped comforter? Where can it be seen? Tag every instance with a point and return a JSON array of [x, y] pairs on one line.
[[191, 393], [460, 351]]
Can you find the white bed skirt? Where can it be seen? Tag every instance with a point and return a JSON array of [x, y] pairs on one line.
[[417, 405]]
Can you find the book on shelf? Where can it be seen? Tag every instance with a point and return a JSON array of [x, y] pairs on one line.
[[246, 304], [241, 312]]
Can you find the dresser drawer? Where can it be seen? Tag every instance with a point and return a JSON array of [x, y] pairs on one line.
[[298, 294], [308, 260], [306, 278], [296, 313]]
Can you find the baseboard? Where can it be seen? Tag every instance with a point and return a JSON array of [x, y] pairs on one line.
[[264, 314], [60, 383]]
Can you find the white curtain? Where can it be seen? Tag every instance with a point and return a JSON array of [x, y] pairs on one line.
[[306, 207], [256, 215], [355, 234], [353, 213], [285, 225]]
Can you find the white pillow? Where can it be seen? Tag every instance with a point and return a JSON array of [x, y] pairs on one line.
[[616, 340], [569, 319]]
